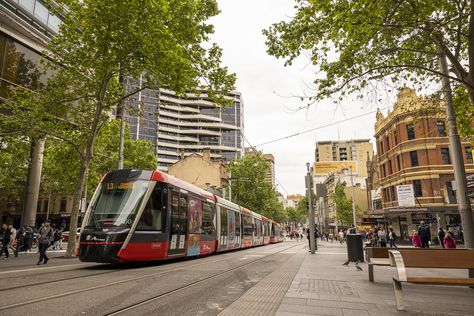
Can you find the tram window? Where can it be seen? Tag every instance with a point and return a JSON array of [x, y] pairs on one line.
[[248, 226], [154, 214], [223, 221], [207, 219], [237, 224], [195, 216], [174, 227], [183, 212]]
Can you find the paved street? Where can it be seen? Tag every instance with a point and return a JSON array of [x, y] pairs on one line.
[[282, 279]]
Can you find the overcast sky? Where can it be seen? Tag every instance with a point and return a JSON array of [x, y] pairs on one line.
[[267, 86]]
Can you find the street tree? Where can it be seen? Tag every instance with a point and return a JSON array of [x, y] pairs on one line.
[[343, 205], [14, 158], [99, 41], [352, 43], [62, 163], [250, 189]]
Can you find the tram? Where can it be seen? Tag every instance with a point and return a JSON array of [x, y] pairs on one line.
[[143, 215]]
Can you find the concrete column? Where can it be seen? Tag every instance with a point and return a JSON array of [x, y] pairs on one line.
[[33, 183]]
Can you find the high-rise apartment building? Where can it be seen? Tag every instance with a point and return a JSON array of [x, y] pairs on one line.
[[345, 150], [270, 175], [415, 170], [180, 126]]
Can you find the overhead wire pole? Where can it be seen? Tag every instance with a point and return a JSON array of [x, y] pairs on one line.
[[309, 192], [464, 205], [121, 112]]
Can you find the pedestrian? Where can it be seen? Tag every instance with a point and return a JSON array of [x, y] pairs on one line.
[[425, 235], [12, 244], [20, 234], [441, 235], [392, 238], [316, 235], [449, 241], [46, 236], [351, 230], [56, 239], [6, 237], [28, 241], [341, 236], [331, 237], [382, 237], [415, 239]]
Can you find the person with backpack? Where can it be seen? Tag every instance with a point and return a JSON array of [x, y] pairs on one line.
[[46, 236], [425, 235], [392, 238], [28, 240]]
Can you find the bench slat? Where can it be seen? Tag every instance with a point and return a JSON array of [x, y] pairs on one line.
[[438, 258], [441, 281]]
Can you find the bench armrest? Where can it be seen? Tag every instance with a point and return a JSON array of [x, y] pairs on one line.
[[396, 260]]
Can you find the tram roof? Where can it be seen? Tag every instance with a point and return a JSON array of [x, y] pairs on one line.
[[166, 178]]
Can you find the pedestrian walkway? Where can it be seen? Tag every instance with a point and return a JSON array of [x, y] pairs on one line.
[[323, 286]]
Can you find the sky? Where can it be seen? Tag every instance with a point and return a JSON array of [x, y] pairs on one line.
[[269, 89]]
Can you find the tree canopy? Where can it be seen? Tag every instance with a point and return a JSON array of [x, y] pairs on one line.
[[354, 42], [100, 41], [251, 190]]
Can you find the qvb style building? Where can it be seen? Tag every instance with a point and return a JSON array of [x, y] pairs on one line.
[[181, 126], [413, 150]]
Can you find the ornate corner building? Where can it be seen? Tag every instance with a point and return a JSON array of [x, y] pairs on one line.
[[413, 148]]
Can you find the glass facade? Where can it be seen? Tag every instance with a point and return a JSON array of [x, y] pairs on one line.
[[19, 66], [39, 10], [177, 126]]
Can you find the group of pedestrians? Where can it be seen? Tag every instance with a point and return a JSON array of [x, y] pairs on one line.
[[421, 238], [25, 238]]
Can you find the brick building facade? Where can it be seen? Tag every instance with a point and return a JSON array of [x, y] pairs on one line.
[[413, 148]]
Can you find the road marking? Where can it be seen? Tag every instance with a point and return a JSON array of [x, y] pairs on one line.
[[44, 268]]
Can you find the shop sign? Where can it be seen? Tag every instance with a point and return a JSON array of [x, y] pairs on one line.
[[405, 195], [417, 218]]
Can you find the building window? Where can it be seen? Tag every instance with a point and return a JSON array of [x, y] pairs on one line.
[[390, 170], [398, 163], [387, 141], [417, 188], [384, 171], [62, 206], [410, 131], [414, 158], [395, 137], [441, 128], [445, 156], [468, 155]]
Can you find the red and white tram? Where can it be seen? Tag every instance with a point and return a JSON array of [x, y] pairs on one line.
[[142, 215]]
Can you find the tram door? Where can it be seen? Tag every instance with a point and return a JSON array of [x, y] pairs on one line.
[[178, 224]]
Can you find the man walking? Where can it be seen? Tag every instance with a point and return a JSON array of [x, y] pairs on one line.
[[45, 238], [392, 238], [425, 235], [6, 237]]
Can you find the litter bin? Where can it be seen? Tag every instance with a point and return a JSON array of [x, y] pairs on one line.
[[355, 249]]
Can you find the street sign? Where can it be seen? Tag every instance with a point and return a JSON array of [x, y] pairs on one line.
[[405, 195]]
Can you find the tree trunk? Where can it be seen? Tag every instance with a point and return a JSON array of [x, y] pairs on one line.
[[88, 154]]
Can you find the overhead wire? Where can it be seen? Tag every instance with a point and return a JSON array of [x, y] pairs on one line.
[[321, 127]]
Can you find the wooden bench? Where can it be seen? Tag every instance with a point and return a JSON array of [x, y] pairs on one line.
[[430, 259], [376, 256]]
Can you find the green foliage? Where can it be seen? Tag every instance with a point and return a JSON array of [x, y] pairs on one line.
[[343, 205], [14, 159], [464, 112], [353, 42], [298, 214], [251, 190], [167, 41], [61, 162]]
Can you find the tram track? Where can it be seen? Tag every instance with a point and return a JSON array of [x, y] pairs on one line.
[[137, 278], [191, 284]]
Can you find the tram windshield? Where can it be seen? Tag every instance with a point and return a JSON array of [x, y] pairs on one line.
[[116, 203]]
